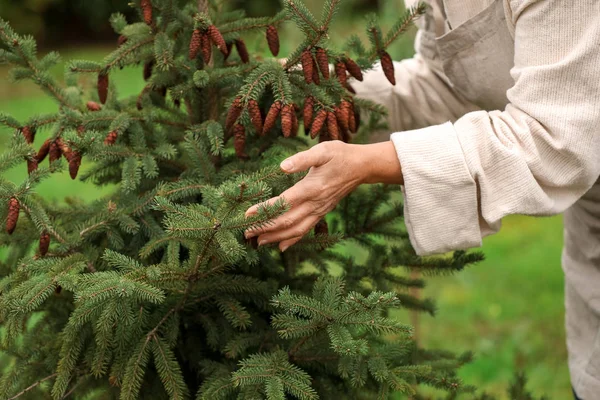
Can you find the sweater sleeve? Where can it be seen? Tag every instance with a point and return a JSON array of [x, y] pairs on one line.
[[537, 157]]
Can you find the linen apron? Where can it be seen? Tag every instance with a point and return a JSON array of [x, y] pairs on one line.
[[475, 58]]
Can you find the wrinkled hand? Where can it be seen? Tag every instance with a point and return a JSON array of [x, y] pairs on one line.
[[336, 169]]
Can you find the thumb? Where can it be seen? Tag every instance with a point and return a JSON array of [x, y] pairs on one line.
[[304, 161]]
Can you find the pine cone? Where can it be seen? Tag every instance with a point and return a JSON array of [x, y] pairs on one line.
[[103, 87], [28, 133], [315, 73], [148, 67], [307, 66], [255, 116], [295, 124], [206, 48], [13, 215], [287, 120], [55, 152], [352, 122], [344, 114], [146, 6], [111, 138], [308, 113], [356, 118], [271, 118], [58, 290], [121, 40], [323, 62], [32, 165], [252, 242], [229, 47], [195, 44], [240, 141], [234, 113], [340, 72], [43, 152], [354, 69], [350, 88], [93, 106], [388, 67], [242, 50], [44, 243], [332, 126], [318, 123], [216, 37], [339, 115], [322, 228], [273, 40], [74, 159]]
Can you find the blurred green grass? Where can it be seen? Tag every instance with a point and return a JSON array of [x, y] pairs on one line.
[[508, 310]]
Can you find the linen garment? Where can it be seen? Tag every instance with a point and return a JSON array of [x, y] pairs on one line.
[[499, 114]]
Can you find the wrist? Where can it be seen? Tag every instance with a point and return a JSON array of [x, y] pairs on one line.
[[380, 164]]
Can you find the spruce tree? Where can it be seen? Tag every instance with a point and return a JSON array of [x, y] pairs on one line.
[[152, 291]]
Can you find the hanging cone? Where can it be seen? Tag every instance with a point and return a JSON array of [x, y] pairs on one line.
[[342, 119], [287, 120], [352, 122], [340, 72], [388, 67], [242, 50], [148, 67], [273, 40], [308, 113], [271, 118], [195, 44], [344, 114], [215, 36], [13, 215], [103, 87], [43, 152], [315, 73], [307, 66], [295, 124], [350, 88], [255, 116], [323, 62], [28, 133], [357, 118], [111, 138], [239, 142], [44, 243], [229, 47], [74, 159], [318, 123], [32, 165], [332, 126], [206, 48], [354, 69], [146, 6], [121, 40], [93, 106], [322, 228], [55, 152], [234, 113]]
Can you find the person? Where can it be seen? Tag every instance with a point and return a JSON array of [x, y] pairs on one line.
[[497, 114]]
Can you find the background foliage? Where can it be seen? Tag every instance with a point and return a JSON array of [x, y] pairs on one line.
[[494, 309]]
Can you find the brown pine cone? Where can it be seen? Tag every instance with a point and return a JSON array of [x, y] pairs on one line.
[[252, 242], [121, 40], [315, 74], [239, 142], [32, 165], [43, 152], [103, 87], [332, 126], [388, 67], [295, 124], [111, 138], [44, 243], [206, 48], [323, 62], [215, 36], [356, 118], [340, 72], [307, 66], [234, 113], [93, 106], [148, 67], [344, 116], [28, 133], [354, 69], [74, 159], [308, 113], [318, 123], [350, 88], [271, 118], [287, 120], [342, 119], [322, 228], [273, 40], [146, 6], [255, 116], [242, 50], [13, 215], [55, 152], [195, 44]]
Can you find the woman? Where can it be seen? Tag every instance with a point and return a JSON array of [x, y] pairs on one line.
[[520, 82]]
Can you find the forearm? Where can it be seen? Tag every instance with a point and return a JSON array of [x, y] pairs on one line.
[[379, 164]]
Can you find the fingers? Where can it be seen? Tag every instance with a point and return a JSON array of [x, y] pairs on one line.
[[297, 231], [283, 222], [315, 157], [286, 244]]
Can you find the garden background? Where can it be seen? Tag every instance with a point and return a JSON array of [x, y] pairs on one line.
[[508, 309]]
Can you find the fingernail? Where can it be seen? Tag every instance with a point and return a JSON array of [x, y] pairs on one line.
[[262, 243], [284, 248], [287, 165]]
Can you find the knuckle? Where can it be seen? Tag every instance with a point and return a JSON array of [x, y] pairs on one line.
[[287, 223]]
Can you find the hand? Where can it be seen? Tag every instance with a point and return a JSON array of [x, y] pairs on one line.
[[336, 169]]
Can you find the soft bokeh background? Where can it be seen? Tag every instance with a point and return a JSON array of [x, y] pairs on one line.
[[508, 310]]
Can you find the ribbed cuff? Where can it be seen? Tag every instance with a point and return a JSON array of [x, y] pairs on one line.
[[440, 195]]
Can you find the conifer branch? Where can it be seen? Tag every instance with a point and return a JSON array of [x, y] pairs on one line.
[[127, 52], [33, 386], [47, 227], [303, 17]]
